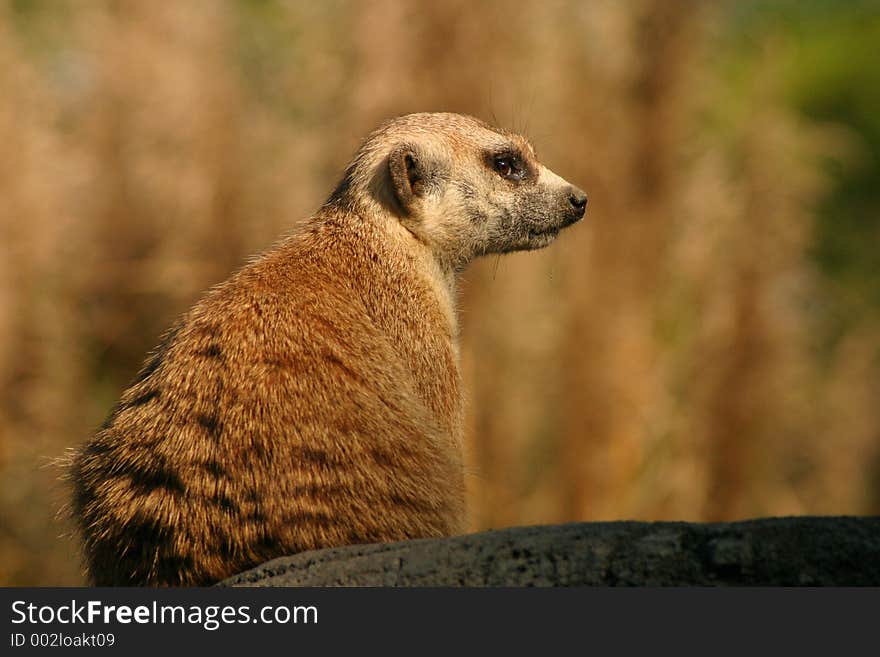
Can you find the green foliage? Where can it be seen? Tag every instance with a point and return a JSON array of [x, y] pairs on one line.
[[831, 68]]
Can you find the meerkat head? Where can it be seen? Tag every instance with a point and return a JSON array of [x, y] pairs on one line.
[[461, 187]]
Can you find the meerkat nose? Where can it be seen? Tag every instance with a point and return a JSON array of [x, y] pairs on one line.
[[578, 200]]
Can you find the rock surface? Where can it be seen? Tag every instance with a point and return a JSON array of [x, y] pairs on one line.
[[811, 551]]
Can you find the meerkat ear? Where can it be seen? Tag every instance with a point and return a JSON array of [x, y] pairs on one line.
[[408, 175]]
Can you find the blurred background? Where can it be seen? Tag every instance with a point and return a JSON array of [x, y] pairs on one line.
[[705, 346]]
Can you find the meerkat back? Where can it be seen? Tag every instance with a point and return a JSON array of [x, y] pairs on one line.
[[314, 399]]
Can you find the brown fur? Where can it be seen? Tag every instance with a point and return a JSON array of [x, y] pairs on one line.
[[314, 398]]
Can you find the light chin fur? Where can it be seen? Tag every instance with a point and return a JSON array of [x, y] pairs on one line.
[[541, 240], [530, 242]]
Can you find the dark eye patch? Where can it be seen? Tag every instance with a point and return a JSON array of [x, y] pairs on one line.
[[508, 164]]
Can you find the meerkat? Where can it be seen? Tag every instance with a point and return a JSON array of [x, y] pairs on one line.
[[314, 398]]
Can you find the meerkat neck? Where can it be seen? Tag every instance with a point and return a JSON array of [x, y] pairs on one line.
[[370, 215]]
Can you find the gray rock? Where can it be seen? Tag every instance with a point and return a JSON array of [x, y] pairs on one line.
[[812, 551]]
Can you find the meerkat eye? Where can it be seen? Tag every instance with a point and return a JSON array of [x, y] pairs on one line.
[[509, 166], [503, 166]]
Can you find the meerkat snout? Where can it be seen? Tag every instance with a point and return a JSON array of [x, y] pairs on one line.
[[578, 199], [314, 398]]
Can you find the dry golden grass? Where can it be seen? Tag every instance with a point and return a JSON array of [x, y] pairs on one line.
[[656, 363]]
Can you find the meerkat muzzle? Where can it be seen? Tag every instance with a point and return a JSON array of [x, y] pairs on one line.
[[578, 200]]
